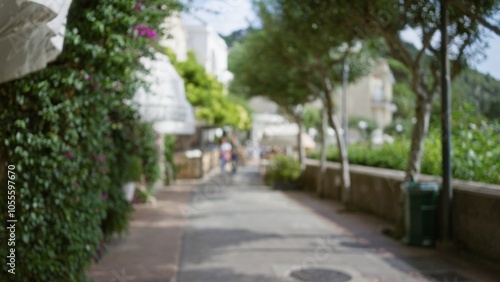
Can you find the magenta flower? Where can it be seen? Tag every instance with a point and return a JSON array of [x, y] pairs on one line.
[[87, 77], [145, 31], [70, 155], [101, 158], [104, 196], [138, 7], [96, 86]]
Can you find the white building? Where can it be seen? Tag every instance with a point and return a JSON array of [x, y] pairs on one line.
[[371, 96], [176, 37], [210, 49], [186, 33]]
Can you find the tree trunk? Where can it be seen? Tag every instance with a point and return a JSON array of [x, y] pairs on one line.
[[344, 161], [300, 145], [420, 130], [320, 183]]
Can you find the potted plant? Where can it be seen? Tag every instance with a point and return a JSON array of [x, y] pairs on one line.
[[283, 172], [133, 173]]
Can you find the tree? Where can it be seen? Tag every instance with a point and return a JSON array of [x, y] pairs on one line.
[[235, 37], [480, 11], [482, 91], [387, 19], [260, 70], [464, 36], [319, 49], [206, 94]]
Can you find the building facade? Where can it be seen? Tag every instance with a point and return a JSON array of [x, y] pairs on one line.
[[210, 49], [371, 96], [185, 33], [175, 37]]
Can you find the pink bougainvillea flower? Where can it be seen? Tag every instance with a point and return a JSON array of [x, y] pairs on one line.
[[70, 155], [96, 86], [101, 158], [138, 7], [87, 77], [143, 30], [104, 196]]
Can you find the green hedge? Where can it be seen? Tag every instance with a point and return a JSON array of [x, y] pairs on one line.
[[67, 129], [283, 168], [170, 168], [475, 154]]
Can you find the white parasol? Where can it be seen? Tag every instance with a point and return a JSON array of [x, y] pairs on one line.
[[285, 135], [164, 102], [31, 35]]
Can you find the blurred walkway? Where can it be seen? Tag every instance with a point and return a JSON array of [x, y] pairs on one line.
[[238, 230]]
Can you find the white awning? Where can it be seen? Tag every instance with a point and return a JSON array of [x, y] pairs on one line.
[[31, 35], [285, 135], [164, 102]]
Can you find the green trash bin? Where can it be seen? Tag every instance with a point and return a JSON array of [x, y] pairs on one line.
[[421, 199]]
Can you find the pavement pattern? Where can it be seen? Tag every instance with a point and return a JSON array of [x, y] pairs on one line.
[[233, 228]]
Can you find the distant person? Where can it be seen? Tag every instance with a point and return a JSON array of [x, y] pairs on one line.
[[234, 155], [225, 152]]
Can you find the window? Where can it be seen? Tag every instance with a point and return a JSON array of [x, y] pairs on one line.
[[378, 93]]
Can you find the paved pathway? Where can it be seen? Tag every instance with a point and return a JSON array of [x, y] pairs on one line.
[[151, 250], [238, 230]]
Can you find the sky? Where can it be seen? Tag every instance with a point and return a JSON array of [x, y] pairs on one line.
[[238, 14]]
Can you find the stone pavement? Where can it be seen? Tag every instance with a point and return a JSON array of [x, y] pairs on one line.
[[238, 230], [151, 250]]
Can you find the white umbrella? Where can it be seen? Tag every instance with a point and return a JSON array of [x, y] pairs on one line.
[[285, 135], [31, 35], [164, 102]]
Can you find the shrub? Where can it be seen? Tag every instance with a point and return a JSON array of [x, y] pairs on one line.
[[371, 124], [147, 150], [134, 169], [170, 168], [284, 169]]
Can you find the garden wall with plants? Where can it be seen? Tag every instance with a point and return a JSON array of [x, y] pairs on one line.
[[70, 131], [475, 152]]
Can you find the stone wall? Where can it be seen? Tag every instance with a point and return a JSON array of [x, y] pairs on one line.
[[191, 168], [187, 168], [476, 206], [476, 218]]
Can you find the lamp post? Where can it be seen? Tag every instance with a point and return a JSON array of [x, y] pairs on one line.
[[363, 125], [445, 126], [399, 129]]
